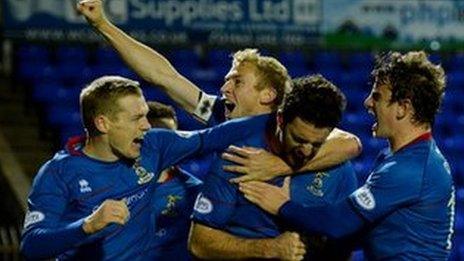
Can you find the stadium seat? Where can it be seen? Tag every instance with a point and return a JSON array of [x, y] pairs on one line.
[[184, 58], [106, 56], [360, 61], [33, 53], [60, 116], [327, 60], [72, 54], [456, 61], [292, 58], [298, 71], [455, 80]]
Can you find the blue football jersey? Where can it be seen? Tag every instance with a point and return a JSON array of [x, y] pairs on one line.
[[221, 205], [172, 207], [409, 200], [70, 187]]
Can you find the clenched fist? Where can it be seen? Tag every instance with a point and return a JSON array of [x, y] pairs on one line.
[[93, 11], [110, 211], [290, 246]]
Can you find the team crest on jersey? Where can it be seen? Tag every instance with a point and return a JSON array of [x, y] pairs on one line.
[[144, 175], [318, 183], [364, 198], [170, 209], [33, 217], [84, 186], [203, 205]]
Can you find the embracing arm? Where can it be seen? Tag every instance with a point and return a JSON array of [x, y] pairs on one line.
[[334, 220], [209, 243], [260, 164], [339, 147], [146, 62]]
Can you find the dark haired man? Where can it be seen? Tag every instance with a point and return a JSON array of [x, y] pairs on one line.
[[306, 117], [406, 207]]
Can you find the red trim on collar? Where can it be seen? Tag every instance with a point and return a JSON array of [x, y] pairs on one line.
[[424, 137], [74, 144]]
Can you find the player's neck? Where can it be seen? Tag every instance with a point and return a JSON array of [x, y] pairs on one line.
[[98, 148], [407, 135]]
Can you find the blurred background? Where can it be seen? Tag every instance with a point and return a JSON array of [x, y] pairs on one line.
[[48, 53]]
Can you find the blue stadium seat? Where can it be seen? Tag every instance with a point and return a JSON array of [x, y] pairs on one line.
[[205, 76], [46, 92], [60, 116], [219, 57], [292, 58], [361, 61], [184, 58], [36, 72], [455, 80], [456, 61], [355, 79], [106, 56], [220, 60], [332, 74], [436, 58], [72, 54], [327, 60], [298, 71], [33, 53]]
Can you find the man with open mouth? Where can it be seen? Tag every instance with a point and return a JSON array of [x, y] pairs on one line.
[[254, 85], [405, 210], [91, 201]]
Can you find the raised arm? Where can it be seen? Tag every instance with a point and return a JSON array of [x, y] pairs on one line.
[[209, 243], [146, 62], [259, 164]]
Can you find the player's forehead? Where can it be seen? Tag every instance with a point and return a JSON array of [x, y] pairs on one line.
[[381, 90], [133, 105], [307, 131], [241, 69]]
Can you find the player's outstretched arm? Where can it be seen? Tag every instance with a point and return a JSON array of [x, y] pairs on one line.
[[146, 62], [259, 164], [334, 220], [209, 243]]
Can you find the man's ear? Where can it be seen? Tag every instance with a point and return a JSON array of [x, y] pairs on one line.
[[404, 109], [101, 123], [267, 96]]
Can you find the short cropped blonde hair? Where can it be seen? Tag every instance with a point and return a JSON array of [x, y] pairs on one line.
[[270, 72]]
